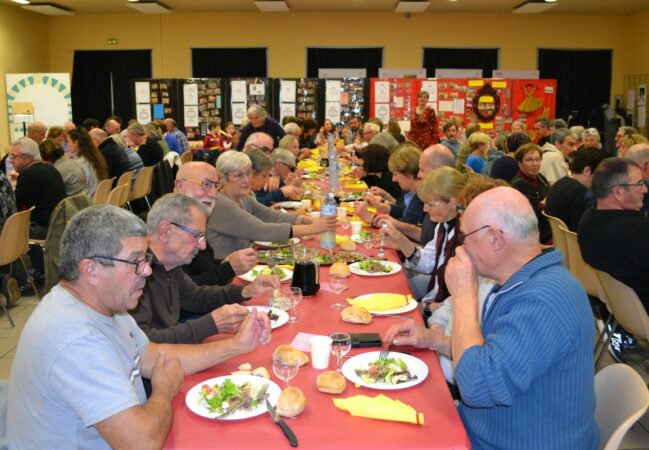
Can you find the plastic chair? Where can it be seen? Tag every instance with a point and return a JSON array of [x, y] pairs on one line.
[[14, 243], [118, 195], [101, 191], [142, 186], [558, 237], [186, 157], [622, 398], [126, 178]]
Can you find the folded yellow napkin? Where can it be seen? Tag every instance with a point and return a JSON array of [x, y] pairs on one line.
[[306, 163], [340, 238], [359, 185], [381, 302], [379, 407]]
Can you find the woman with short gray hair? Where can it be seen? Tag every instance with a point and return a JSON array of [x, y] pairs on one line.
[[238, 219], [258, 121]]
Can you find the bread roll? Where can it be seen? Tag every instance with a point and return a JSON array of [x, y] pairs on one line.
[[331, 382], [261, 372], [348, 246], [286, 352], [339, 269], [356, 314], [291, 402]]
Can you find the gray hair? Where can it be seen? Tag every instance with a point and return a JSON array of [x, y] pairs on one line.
[[373, 127], [152, 128], [257, 110], [610, 173], [577, 131], [136, 128], [28, 146], [520, 226], [558, 123], [96, 231], [639, 153], [386, 140], [284, 156], [260, 160], [291, 128], [173, 208], [231, 161], [592, 132], [255, 140], [36, 127], [520, 124], [560, 134], [119, 140]]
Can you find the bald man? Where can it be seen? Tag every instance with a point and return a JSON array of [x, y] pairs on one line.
[[112, 127], [525, 373], [199, 180], [116, 159]]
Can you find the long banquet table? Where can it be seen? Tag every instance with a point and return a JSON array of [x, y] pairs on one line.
[[322, 425]]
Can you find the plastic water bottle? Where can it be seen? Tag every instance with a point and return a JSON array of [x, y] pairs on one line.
[[334, 184], [328, 208]]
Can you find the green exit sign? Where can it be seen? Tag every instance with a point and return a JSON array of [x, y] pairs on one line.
[[112, 41]]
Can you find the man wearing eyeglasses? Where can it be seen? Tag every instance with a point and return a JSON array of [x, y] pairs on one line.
[[523, 362], [613, 235], [200, 180], [176, 226], [639, 153], [77, 375]]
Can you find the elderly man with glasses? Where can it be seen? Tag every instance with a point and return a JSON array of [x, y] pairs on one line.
[[523, 362], [176, 226], [200, 180]]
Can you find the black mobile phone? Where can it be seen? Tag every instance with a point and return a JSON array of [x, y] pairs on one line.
[[361, 340]]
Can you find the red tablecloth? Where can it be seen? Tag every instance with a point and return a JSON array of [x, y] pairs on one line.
[[322, 425]]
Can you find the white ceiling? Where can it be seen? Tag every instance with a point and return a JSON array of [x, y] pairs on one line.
[[436, 6]]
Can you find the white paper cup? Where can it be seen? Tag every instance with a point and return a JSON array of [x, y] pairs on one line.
[[320, 351], [356, 227]]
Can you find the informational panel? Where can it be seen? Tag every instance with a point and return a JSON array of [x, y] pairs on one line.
[[345, 98], [202, 102], [342, 73], [532, 99], [298, 97], [401, 73], [157, 99], [245, 92], [43, 97]]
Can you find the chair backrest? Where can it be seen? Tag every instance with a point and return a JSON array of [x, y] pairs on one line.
[[580, 268], [186, 157], [126, 177], [14, 239], [101, 191], [625, 305], [622, 398], [118, 195], [558, 238], [59, 220], [142, 185]]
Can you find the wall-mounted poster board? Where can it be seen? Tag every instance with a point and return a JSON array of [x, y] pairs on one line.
[[298, 97], [245, 92], [43, 97], [202, 101], [345, 98], [156, 99]]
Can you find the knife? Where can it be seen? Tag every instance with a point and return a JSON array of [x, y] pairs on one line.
[[279, 421]]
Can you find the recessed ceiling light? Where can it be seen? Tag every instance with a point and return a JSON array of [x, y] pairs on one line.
[[411, 6], [551, 1], [22, 2]]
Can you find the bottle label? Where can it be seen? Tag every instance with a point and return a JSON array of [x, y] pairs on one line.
[[328, 210]]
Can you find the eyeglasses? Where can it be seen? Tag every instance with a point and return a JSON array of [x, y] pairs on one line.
[[628, 185], [140, 264], [200, 237], [461, 237], [532, 160], [239, 176], [207, 185], [11, 156], [262, 148], [435, 203]]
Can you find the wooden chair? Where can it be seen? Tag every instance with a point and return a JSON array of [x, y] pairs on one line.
[[622, 398], [558, 238], [186, 157], [118, 195], [142, 186], [101, 191], [14, 243]]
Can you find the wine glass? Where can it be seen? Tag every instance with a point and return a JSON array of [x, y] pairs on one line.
[[338, 285], [341, 343], [286, 368], [293, 296], [342, 218]]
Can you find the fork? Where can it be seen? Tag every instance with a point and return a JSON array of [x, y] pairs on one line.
[[385, 352], [260, 396], [381, 253]]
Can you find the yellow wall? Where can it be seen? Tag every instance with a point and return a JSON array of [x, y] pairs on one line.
[[23, 48], [286, 35]]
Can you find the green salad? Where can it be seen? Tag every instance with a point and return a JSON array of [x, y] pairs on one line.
[[264, 271], [220, 397], [386, 371], [374, 266]]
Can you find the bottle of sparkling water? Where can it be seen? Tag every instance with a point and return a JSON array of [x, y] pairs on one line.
[[328, 208], [334, 170]]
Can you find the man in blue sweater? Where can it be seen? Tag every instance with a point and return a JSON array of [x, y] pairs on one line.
[[525, 370]]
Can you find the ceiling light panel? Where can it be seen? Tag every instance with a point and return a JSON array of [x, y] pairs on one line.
[[411, 7], [149, 7], [272, 7]]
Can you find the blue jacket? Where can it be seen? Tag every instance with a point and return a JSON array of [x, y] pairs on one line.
[[530, 385]]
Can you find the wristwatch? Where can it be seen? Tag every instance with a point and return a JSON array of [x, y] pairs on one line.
[[426, 311]]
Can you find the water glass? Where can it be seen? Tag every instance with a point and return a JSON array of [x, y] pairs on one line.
[[341, 344], [338, 285], [286, 368]]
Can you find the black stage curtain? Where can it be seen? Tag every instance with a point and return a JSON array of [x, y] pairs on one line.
[[370, 59], [229, 62], [95, 72], [461, 58], [583, 83]]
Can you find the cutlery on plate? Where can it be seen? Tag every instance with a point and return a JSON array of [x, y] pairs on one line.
[[279, 421], [383, 355], [260, 396], [396, 316]]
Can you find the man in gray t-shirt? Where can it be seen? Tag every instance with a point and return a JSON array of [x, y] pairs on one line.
[[77, 377]]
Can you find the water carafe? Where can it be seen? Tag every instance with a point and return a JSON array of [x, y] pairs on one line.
[[306, 273]]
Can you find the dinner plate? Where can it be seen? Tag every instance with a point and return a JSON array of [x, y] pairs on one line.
[[415, 365], [356, 269], [412, 304], [282, 315], [192, 399], [252, 276], [267, 244], [290, 204]]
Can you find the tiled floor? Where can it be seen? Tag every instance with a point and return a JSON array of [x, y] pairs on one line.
[[636, 438]]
